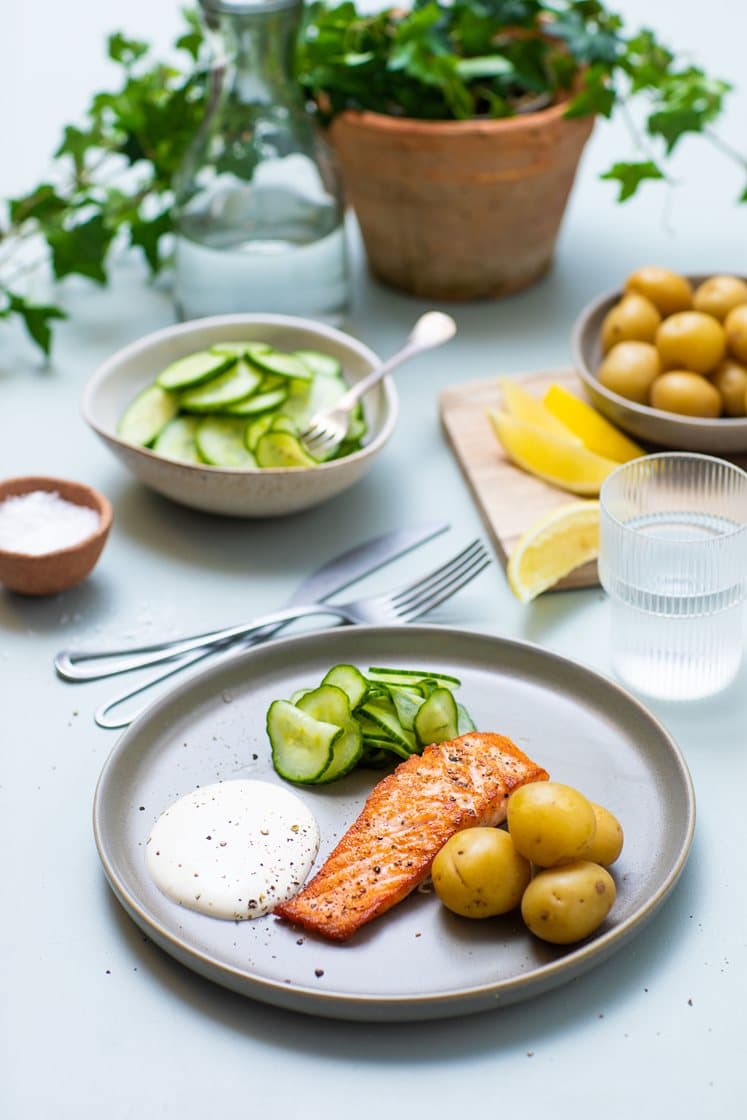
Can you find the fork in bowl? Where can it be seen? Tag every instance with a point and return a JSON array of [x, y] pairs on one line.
[[326, 430]]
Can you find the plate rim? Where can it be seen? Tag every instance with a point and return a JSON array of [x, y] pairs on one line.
[[413, 1006]]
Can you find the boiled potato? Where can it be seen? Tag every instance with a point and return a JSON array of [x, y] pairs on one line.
[[730, 378], [478, 873], [629, 370], [719, 294], [735, 325], [566, 904], [686, 393], [667, 290], [550, 823], [634, 317], [691, 340], [607, 841]]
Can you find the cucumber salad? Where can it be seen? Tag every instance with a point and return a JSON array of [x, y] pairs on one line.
[[352, 719], [239, 405]]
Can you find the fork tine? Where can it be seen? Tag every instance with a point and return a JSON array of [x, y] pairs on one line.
[[430, 590]]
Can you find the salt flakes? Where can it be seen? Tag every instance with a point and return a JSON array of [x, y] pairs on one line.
[[41, 521]]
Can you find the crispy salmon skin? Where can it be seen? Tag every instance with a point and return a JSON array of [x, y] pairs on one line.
[[406, 820]]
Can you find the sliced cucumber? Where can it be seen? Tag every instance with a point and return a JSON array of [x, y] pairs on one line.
[[257, 428], [282, 423], [322, 394], [229, 388], [282, 365], [350, 680], [321, 365], [257, 402], [464, 721], [409, 676], [147, 416], [220, 442], [239, 349], [281, 449], [301, 745], [178, 440], [194, 369], [383, 714], [331, 705], [407, 702], [437, 718]]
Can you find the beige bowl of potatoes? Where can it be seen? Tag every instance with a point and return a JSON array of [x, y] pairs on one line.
[[665, 358]]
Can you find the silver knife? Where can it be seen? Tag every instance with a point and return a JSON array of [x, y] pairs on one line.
[[332, 577]]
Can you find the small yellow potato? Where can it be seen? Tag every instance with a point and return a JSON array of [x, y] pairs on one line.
[[478, 873], [629, 370], [667, 290], [550, 823], [634, 317], [606, 844], [735, 325], [687, 393], [719, 294], [730, 378], [566, 904], [691, 340]]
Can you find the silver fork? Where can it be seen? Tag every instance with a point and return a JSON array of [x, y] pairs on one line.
[[326, 430], [402, 605]]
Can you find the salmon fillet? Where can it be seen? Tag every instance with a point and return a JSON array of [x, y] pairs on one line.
[[406, 820]]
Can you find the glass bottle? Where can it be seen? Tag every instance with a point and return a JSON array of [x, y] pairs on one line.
[[259, 210]]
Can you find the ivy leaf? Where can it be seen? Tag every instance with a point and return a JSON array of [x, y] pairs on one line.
[[41, 204], [597, 96], [146, 234], [124, 50], [631, 175], [81, 249], [36, 318]]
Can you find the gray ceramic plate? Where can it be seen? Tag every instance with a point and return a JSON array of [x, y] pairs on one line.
[[418, 961]]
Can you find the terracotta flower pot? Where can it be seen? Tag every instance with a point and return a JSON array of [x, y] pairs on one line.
[[457, 210]]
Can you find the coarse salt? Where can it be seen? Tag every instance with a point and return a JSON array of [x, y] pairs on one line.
[[41, 521]]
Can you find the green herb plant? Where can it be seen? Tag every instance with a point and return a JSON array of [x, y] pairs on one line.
[[113, 177]]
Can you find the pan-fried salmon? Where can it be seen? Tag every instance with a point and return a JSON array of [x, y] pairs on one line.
[[406, 820]]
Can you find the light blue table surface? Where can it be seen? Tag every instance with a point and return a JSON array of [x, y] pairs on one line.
[[96, 1022]]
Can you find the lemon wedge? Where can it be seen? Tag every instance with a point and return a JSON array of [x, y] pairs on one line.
[[552, 547], [523, 406], [590, 426], [552, 458]]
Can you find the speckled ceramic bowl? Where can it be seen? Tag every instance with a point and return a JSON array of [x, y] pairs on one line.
[[50, 572], [724, 436], [233, 492]]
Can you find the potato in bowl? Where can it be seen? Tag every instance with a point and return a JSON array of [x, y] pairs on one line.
[[243, 490], [665, 358]]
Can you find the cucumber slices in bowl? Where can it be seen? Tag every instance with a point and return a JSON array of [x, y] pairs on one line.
[[351, 719], [239, 405]]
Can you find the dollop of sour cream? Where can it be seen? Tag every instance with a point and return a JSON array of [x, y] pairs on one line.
[[233, 850]]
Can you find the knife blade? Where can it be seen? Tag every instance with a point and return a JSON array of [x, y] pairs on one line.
[[333, 576]]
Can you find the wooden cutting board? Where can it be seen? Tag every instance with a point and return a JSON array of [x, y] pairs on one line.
[[509, 499]]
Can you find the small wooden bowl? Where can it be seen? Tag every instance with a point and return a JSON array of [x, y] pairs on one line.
[[50, 572]]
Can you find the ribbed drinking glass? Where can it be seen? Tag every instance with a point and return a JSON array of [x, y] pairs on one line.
[[673, 560]]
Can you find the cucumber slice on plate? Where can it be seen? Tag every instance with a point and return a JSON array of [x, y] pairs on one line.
[[239, 349], [281, 449], [331, 705], [257, 402], [301, 745], [383, 714], [283, 365], [322, 365], [412, 677], [194, 369], [437, 719], [257, 428], [178, 440], [146, 417], [220, 442], [350, 680], [221, 392]]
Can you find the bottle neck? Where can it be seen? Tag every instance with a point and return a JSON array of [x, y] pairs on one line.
[[258, 48]]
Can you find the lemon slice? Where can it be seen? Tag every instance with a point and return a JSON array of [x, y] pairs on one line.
[[557, 460], [583, 421], [523, 406], [552, 547]]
